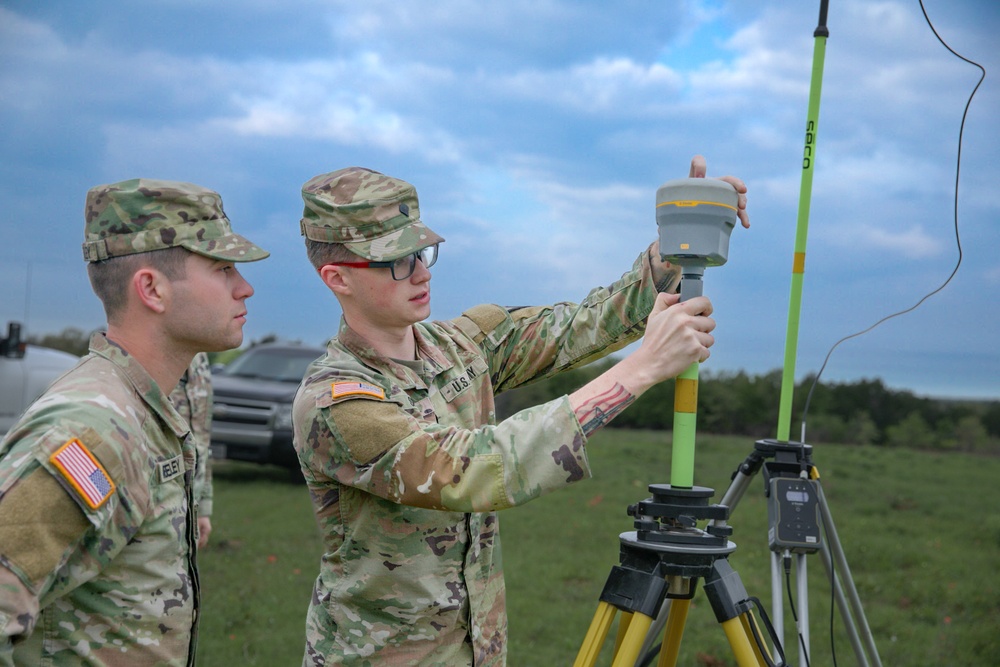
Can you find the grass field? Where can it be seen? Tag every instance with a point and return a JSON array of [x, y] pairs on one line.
[[920, 530]]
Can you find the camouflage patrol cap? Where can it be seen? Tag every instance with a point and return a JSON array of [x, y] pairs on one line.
[[375, 216], [141, 215]]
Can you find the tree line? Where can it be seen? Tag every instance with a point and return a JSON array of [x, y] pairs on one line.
[[76, 341], [865, 412]]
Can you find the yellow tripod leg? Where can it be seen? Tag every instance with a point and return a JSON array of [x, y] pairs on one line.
[[631, 644], [596, 634], [623, 622], [673, 632], [739, 641]]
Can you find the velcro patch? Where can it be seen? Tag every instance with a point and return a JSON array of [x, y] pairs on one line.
[[344, 389], [369, 428], [84, 473]]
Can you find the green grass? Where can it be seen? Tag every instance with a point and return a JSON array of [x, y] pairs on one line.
[[920, 530], [258, 568]]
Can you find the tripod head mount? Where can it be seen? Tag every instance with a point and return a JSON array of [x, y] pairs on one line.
[[695, 217]]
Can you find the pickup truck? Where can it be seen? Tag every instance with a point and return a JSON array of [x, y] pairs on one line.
[[252, 405], [25, 372]]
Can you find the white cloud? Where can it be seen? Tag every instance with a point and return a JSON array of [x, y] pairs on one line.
[[617, 85], [352, 103], [992, 275], [21, 37], [768, 59], [349, 122], [912, 243], [26, 45]]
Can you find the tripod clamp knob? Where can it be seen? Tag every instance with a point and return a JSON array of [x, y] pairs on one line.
[[719, 530]]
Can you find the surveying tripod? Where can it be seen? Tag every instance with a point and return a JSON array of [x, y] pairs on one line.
[[663, 560]]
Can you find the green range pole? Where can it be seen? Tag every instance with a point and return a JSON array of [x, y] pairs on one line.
[[802, 228], [685, 426]]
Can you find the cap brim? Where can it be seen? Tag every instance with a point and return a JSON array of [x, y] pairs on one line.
[[229, 248], [397, 243]]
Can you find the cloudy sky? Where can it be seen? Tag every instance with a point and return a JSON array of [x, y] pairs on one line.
[[537, 133]]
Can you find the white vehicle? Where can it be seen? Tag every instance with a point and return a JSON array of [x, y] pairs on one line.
[[25, 372]]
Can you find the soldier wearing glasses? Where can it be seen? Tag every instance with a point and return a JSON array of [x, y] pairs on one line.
[[396, 427]]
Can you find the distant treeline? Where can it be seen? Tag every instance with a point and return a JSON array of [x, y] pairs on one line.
[[864, 412], [72, 340], [76, 341], [735, 403]]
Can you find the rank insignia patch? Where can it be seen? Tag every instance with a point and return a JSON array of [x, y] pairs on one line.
[[342, 389], [84, 473]]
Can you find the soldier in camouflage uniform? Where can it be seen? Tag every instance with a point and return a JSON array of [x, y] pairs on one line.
[[397, 434], [97, 529], [192, 398]]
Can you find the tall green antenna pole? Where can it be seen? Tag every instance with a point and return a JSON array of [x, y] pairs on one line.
[[802, 228]]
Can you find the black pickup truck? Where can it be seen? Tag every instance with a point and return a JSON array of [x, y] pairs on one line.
[[252, 406]]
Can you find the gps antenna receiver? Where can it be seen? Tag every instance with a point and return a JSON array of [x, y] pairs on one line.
[[695, 217]]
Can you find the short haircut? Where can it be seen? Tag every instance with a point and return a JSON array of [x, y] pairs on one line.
[[110, 277], [321, 253]]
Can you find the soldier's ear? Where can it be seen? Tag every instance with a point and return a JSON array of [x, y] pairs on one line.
[[337, 278], [148, 286]]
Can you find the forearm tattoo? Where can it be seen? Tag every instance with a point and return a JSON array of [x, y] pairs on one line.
[[604, 407]]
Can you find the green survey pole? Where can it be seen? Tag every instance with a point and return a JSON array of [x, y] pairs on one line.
[[685, 426], [802, 228]]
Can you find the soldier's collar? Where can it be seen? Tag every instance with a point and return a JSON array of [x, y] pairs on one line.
[[150, 392], [434, 362]]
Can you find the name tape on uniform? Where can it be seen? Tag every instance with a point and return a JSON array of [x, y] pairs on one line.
[[457, 385], [170, 468], [83, 472], [343, 389]]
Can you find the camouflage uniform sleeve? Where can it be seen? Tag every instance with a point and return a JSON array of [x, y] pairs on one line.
[[426, 464], [39, 526], [536, 342], [43, 523], [18, 613]]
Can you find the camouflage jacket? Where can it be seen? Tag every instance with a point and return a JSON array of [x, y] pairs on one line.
[[97, 563], [407, 467], [192, 398]]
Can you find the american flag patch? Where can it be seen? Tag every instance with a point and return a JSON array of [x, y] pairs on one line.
[[342, 389], [84, 473]]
